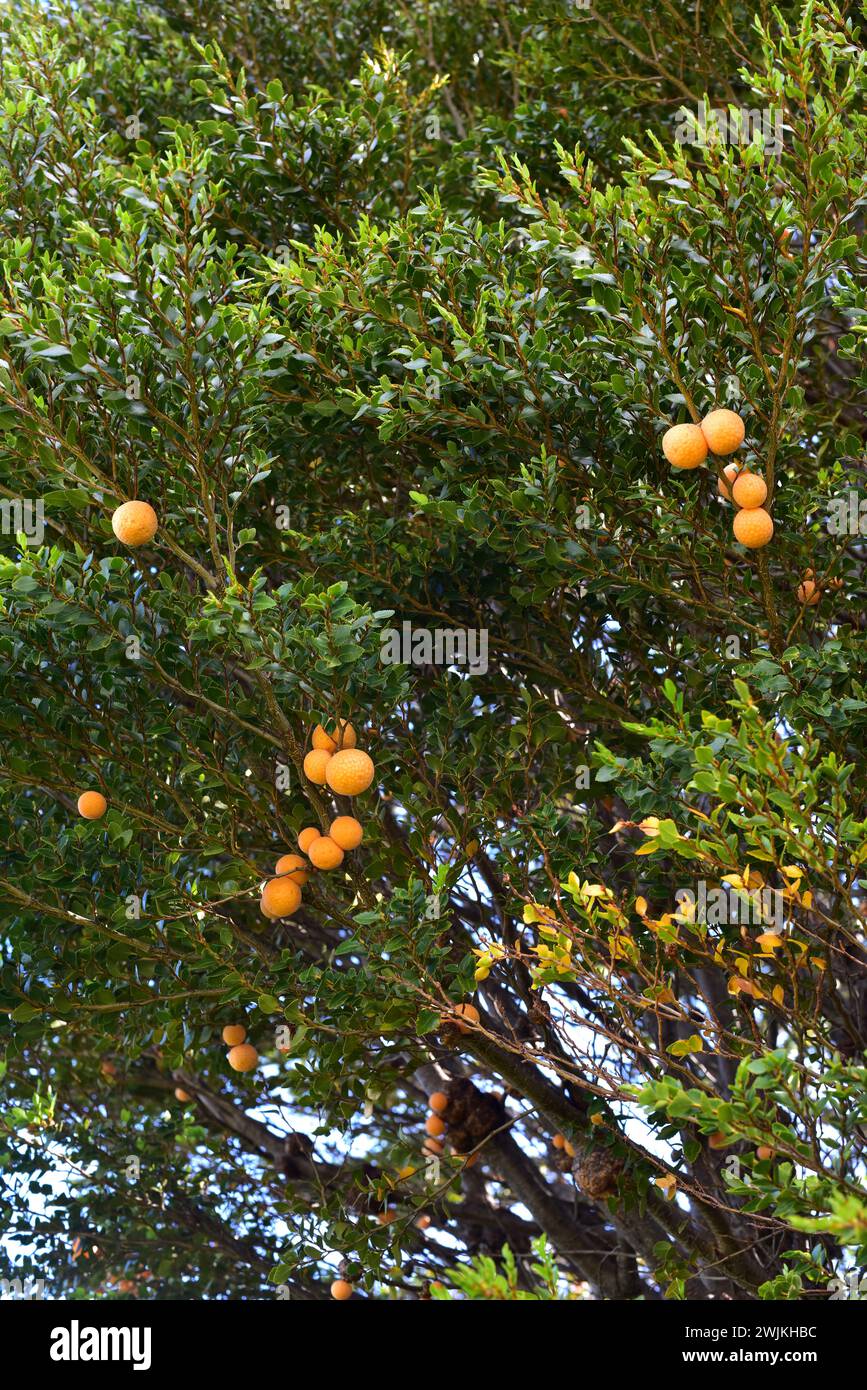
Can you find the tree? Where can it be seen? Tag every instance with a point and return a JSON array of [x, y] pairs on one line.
[[385, 312]]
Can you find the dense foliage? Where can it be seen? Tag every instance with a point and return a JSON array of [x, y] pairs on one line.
[[384, 308]]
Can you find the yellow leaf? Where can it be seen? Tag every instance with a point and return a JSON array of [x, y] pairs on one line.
[[807, 899], [777, 994], [641, 906], [739, 986], [534, 912], [650, 825], [770, 941], [686, 911]]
